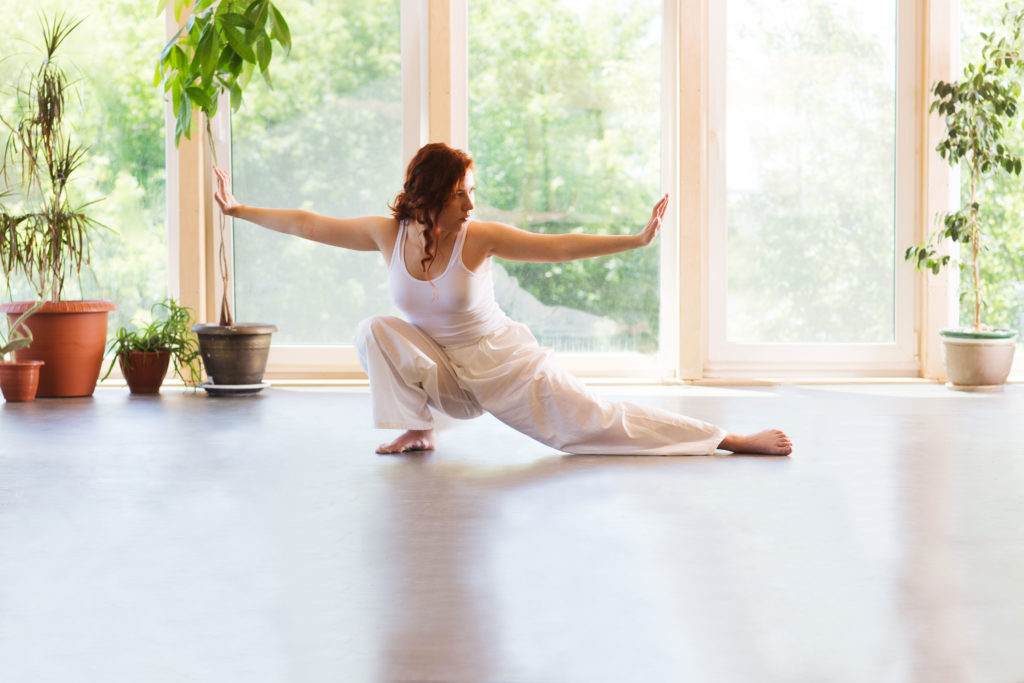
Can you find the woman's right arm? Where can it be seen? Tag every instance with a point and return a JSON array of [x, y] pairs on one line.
[[360, 234]]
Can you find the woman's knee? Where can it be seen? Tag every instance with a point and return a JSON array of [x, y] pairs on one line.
[[371, 328]]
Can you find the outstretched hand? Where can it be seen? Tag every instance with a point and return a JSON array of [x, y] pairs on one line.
[[222, 195], [649, 232]]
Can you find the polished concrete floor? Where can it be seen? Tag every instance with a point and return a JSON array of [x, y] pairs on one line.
[[190, 538]]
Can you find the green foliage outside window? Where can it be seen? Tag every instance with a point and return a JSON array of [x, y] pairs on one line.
[[810, 165], [328, 138], [564, 124]]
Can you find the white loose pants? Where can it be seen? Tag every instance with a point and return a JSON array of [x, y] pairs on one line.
[[508, 375]]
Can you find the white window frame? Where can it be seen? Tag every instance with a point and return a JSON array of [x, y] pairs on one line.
[[899, 358], [693, 120], [434, 43]]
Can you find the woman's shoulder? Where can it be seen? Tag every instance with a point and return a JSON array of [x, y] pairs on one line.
[[487, 229], [479, 241], [387, 229]]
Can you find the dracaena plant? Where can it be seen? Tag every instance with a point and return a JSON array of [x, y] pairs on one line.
[[44, 235], [977, 110], [216, 51]]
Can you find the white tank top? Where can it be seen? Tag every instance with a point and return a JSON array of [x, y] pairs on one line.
[[455, 308]]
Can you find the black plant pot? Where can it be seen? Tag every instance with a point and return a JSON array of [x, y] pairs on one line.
[[235, 355]]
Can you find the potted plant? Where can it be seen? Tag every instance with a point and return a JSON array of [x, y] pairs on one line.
[[19, 380], [44, 236], [215, 53], [977, 110], [145, 353]]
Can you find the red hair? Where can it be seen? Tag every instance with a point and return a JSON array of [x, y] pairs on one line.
[[431, 180]]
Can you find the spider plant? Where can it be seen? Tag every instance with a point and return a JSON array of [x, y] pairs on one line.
[[168, 330]]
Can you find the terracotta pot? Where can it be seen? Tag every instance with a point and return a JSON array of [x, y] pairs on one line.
[[144, 370], [19, 380], [70, 337], [978, 361], [235, 355]]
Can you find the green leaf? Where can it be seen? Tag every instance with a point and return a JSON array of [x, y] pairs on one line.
[[235, 64], [279, 29], [264, 51], [236, 96], [226, 55], [200, 97], [206, 55], [260, 18], [237, 41], [245, 75], [170, 44], [236, 20], [178, 58], [183, 122]]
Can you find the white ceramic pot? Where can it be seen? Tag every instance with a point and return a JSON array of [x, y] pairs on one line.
[[978, 361]]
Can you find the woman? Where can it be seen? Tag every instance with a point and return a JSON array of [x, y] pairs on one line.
[[457, 352]]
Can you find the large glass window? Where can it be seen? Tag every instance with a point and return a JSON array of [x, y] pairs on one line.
[[119, 116], [328, 138], [810, 171], [565, 129]]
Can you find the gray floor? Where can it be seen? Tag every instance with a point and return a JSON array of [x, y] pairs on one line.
[[188, 538]]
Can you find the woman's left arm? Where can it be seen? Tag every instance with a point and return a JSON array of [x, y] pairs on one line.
[[513, 244]]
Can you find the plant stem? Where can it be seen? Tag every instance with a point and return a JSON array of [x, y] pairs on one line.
[[975, 233]]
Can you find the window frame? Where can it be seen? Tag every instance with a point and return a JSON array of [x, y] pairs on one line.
[[898, 358], [434, 74]]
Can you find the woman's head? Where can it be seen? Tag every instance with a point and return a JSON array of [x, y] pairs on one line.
[[431, 180]]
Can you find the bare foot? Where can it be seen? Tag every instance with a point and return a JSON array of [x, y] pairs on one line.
[[768, 442], [412, 440]]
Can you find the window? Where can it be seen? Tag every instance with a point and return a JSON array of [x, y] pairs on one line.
[[809, 234], [328, 138], [565, 116], [120, 119], [795, 153]]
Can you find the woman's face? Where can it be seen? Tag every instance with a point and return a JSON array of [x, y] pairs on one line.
[[457, 210]]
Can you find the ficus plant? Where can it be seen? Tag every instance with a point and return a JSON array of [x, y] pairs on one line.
[[977, 110], [216, 52]]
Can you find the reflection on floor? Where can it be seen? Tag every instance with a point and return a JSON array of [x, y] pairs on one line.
[[189, 538]]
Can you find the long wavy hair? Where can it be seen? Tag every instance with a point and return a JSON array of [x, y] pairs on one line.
[[431, 180]]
